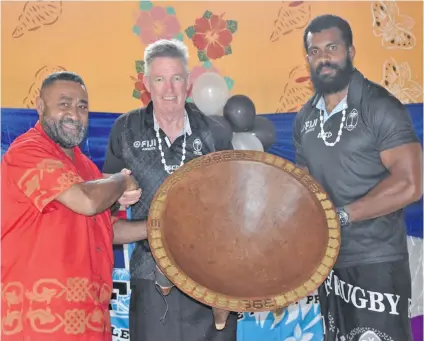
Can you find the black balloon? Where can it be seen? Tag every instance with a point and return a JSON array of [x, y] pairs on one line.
[[264, 130], [220, 128], [240, 112]]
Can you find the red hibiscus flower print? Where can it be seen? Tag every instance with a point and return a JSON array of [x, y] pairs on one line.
[[140, 92], [212, 36]]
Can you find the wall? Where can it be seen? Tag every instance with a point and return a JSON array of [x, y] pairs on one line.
[[260, 50]]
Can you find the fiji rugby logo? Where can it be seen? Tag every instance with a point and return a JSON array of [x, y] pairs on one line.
[[197, 147], [352, 120]]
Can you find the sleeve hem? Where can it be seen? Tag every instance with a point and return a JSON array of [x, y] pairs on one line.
[[398, 143], [41, 203]]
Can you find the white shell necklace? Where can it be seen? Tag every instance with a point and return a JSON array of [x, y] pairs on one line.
[[339, 134], [162, 154]]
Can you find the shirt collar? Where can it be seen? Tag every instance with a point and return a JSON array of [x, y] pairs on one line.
[[339, 107], [188, 110], [186, 124]]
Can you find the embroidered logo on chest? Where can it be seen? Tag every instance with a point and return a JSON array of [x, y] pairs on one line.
[[197, 147], [351, 120], [349, 124], [309, 126], [327, 134], [145, 144]]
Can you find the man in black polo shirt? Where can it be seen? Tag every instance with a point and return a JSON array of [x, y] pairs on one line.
[[153, 142], [358, 142]]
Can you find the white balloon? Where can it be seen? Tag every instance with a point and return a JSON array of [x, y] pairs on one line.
[[246, 141], [210, 93]]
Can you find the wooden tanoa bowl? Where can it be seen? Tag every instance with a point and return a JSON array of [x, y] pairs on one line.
[[243, 231]]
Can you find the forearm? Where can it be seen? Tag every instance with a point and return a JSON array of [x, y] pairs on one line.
[[390, 195], [104, 193], [126, 232]]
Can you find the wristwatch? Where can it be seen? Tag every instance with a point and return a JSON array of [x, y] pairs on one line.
[[344, 218]]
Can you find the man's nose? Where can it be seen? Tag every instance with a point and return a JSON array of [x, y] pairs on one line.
[[323, 56], [169, 84], [73, 112]]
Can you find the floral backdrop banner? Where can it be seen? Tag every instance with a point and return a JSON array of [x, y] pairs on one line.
[[256, 46]]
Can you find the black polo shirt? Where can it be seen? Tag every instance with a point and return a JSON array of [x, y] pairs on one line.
[[375, 121], [133, 145]]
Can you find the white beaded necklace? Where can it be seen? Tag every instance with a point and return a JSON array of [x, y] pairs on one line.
[[162, 154], [339, 134]]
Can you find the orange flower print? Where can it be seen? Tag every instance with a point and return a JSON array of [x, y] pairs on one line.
[[212, 36]]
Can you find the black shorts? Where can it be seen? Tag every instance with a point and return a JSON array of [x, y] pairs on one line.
[[367, 302], [175, 317]]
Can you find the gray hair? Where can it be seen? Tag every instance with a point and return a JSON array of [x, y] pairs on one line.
[[165, 48]]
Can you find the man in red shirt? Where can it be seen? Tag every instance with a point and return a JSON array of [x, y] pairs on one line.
[[56, 226]]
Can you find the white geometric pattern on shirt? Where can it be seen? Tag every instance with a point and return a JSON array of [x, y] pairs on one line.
[[331, 325], [366, 333]]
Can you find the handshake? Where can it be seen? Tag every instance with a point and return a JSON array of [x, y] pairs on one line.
[[132, 192]]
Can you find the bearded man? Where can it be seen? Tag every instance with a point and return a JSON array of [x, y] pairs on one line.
[[358, 142], [56, 226]]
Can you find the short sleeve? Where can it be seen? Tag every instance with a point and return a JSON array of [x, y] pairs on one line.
[[392, 125], [38, 172], [297, 142], [221, 145], [220, 137], [114, 161]]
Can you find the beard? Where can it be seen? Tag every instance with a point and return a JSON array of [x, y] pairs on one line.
[[56, 131], [330, 84]]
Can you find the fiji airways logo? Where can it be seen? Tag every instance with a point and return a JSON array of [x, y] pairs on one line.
[[309, 126], [145, 145]]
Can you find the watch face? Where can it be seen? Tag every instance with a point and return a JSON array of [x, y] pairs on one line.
[[343, 218]]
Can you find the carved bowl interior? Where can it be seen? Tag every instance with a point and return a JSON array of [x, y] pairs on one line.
[[245, 228]]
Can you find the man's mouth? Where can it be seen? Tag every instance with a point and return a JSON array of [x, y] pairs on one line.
[[70, 126], [326, 70], [169, 98]]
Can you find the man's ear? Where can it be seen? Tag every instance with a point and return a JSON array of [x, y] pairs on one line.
[[352, 52], [39, 105], [146, 83], [189, 82]]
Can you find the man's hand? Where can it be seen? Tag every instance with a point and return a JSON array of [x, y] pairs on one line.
[[133, 192], [93, 197]]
